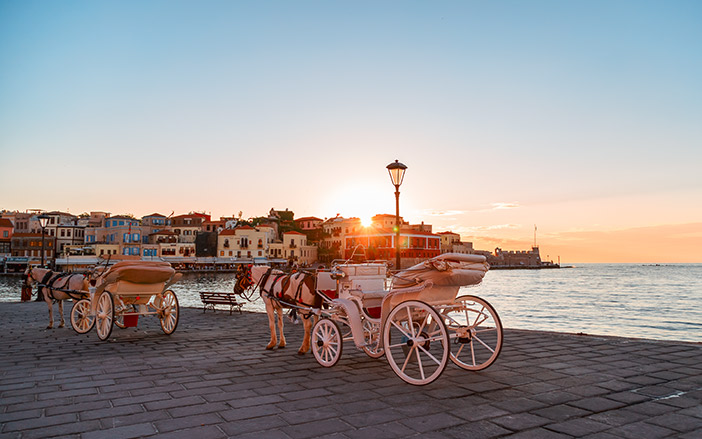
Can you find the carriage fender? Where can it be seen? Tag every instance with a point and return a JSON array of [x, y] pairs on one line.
[[354, 320]]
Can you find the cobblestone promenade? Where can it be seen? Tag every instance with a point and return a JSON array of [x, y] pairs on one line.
[[213, 378]]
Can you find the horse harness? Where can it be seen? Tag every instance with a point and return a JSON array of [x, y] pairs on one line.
[[285, 280], [48, 282]]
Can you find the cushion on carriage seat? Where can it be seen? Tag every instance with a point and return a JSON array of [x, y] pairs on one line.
[[139, 273], [449, 269]]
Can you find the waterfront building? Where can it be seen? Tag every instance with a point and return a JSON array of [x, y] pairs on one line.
[[188, 226], [29, 245], [335, 231], [515, 259], [451, 243], [245, 242], [309, 223], [6, 229], [373, 243], [296, 249]]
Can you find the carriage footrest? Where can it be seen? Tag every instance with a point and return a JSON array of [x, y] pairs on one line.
[[130, 320]]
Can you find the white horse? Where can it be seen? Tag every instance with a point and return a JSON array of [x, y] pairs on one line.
[[280, 290], [56, 286]]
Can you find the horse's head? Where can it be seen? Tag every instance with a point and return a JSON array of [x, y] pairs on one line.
[[243, 280], [28, 279]]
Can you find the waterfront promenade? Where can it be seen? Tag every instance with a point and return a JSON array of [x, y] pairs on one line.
[[213, 378]]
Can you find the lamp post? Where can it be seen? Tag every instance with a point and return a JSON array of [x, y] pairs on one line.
[[43, 220], [397, 174]]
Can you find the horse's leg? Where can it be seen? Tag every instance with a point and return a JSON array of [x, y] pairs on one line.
[[282, 343], [270, 311], [62, 324], [51, 309], [306, 339]]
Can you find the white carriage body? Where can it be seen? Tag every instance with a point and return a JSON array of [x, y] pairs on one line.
[[363, 298]]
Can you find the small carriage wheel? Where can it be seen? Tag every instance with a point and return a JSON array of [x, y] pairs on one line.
[[169, 312], [475, 331], [81, 320], [371, 335], [104, 315], [327, 343], [416, 342]]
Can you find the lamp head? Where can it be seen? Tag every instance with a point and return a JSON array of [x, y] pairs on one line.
[[43, 220], [397, 172]]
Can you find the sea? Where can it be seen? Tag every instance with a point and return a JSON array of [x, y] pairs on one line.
[[660, 302]]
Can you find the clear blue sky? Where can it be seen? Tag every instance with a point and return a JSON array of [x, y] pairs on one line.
[[579, 116]]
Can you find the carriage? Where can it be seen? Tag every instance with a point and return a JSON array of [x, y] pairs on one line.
[[124, 292], [419, 323]]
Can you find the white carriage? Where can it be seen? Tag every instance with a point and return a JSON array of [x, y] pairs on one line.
[[418, 323], [124, 292]]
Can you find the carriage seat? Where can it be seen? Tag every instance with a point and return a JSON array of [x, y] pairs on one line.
[[370, 299]]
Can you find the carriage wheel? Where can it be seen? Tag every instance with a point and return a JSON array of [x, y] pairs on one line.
[[104, 315], [81, 320], [169, 312], [327, 342], [371, 335], [475, 331], [416, 342]]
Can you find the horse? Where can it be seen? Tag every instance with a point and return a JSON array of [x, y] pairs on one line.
[[278, 291], [56, 286]]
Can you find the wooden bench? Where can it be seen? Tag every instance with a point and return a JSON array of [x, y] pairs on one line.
[[210, 299]]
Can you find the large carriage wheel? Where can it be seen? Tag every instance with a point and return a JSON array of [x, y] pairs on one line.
[[327, 342], [81, 320], [371, 335], [475, 331], [416, 342], [169, 312], [104, 315]]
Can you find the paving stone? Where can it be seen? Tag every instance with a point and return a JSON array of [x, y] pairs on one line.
[[314, 429], [521, 421], [561, 412], [640, 430], [578, 427], [475, 430], [432, 422], [126, 432]]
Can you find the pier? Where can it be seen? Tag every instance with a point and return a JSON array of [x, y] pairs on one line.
[[213, 378]]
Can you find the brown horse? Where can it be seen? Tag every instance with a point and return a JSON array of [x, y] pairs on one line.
[[279, 290], [56, 286]]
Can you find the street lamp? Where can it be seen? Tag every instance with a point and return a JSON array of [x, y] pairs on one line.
[[43, 220], [397, 174]]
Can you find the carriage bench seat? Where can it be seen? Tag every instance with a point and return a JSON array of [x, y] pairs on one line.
[[210, 299], [369, 298]]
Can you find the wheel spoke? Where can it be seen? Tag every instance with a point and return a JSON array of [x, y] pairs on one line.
[[419, 362], [401, 330], [483, 343], [428, 353]]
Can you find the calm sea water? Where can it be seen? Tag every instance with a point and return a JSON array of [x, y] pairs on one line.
[[630, 300]]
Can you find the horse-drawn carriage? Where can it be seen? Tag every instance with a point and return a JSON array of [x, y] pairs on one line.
[[124, 292], [418, 323]]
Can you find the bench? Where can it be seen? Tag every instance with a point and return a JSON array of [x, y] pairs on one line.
[[210, 299]]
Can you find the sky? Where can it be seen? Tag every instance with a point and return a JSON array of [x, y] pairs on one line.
[[582, 119]]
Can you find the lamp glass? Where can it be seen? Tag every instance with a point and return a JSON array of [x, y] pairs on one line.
[[397, 172], [43, 220]]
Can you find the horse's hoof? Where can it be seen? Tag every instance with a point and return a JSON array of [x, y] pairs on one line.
[[281, 346], [269, 347], [49, 327], [301, 352]]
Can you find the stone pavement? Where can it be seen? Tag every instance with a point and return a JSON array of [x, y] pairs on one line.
[[213, 378]]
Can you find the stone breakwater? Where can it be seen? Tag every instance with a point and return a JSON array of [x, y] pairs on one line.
[[212, 378]]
